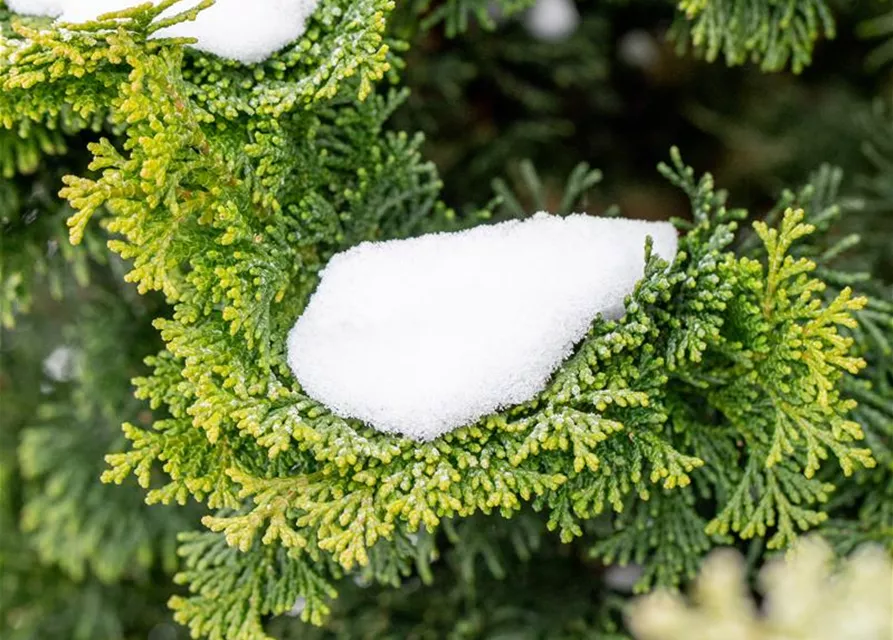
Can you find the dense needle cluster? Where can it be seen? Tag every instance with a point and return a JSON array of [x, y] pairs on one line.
[[743, 397]]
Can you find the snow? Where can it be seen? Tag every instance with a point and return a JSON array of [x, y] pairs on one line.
[[638, 48], [623, 577], [243, 30], [552, 20], [51, 8], [298, 607], [421, 336], [62, 364]]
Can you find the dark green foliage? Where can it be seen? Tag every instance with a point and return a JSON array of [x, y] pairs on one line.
[[506, 93], [776, 34], [499, 578], [879, 27], [78, 559], [458, 15], [235, 589], [33, 245]]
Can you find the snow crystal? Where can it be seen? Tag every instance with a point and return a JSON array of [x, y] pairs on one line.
[[236, 29], [552, 20], [424, 335]]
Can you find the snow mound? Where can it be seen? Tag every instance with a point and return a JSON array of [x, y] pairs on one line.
[[245, 30], [422, 336], [51, 8]]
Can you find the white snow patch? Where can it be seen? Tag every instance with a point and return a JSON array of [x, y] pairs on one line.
[[623, 577], [63, 364], [298, 607], [51, 8], [638, 48], [245, 30], [362, 580], [422, 336], [552, 20]]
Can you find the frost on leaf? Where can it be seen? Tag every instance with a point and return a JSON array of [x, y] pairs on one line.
[[425, 335], [234, 29]]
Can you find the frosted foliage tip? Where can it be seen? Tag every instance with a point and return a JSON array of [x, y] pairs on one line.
[[421, 336]]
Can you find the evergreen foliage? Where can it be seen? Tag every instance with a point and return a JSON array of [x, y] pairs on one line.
[[774, 33], [89, 560], [507, 93], [458, 15], [746, 396]]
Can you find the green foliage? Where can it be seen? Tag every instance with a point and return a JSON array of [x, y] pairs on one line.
[[506, 91], [864, 511], [233, 590], [34, 247], [78, 559], [497, 578], [722, 408], [880, 26], [667, 553], [774, 33], [868, 213], [602, 435], [458, 15], [117, 532]]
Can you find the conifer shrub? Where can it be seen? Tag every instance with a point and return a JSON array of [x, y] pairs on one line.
[[165, 218]]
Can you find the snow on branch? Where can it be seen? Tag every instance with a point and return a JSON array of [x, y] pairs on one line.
[[234, 29], [422, 336]]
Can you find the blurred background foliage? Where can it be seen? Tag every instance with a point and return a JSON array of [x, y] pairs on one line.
[[496, 103], [616, 93]]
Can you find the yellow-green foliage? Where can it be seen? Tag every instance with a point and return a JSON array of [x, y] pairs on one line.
[[774, 33], [715, 407]]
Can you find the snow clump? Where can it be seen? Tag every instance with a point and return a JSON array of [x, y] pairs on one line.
[[421, 336], [245, 30]]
